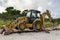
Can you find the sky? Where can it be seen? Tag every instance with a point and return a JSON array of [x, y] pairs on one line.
[[41, 5]]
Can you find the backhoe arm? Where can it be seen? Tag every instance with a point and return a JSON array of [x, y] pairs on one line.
[[48, 14]]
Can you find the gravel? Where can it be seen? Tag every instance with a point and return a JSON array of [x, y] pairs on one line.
[[53, 35]]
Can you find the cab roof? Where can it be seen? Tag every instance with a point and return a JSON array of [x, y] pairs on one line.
[[32, 10]]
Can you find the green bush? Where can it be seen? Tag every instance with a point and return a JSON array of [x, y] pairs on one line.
[[2, 22]]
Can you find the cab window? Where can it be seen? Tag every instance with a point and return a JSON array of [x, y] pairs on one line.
[[38, 15], [28, 14], [33, 15]]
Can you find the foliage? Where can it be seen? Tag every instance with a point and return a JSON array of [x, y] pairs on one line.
[[10, 14], [2, 22], [49, 24], [24, 12]]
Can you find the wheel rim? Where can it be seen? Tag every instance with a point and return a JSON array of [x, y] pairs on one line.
[[22, 26]]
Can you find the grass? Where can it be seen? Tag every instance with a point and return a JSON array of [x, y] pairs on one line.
[[49, 24], [2, 22]]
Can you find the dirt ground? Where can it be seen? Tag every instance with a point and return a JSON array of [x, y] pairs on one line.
[[53, 35]]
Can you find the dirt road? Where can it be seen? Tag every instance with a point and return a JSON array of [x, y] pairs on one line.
[[53, 35]]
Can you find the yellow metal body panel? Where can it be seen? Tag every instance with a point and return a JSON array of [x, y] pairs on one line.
[[29, 25]]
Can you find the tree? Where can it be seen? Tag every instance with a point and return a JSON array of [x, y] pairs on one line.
[[9, 8], [24, 12], [10, 13]]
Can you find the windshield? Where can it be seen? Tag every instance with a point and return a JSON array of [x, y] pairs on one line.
[[29, 14], [33, 15]]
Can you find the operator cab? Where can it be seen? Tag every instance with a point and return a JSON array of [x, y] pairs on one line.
[[32, 15]]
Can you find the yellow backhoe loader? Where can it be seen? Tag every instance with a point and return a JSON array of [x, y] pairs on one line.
[[33, 20]]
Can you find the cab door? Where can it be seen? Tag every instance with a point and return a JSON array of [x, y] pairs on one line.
[[31, 15]]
